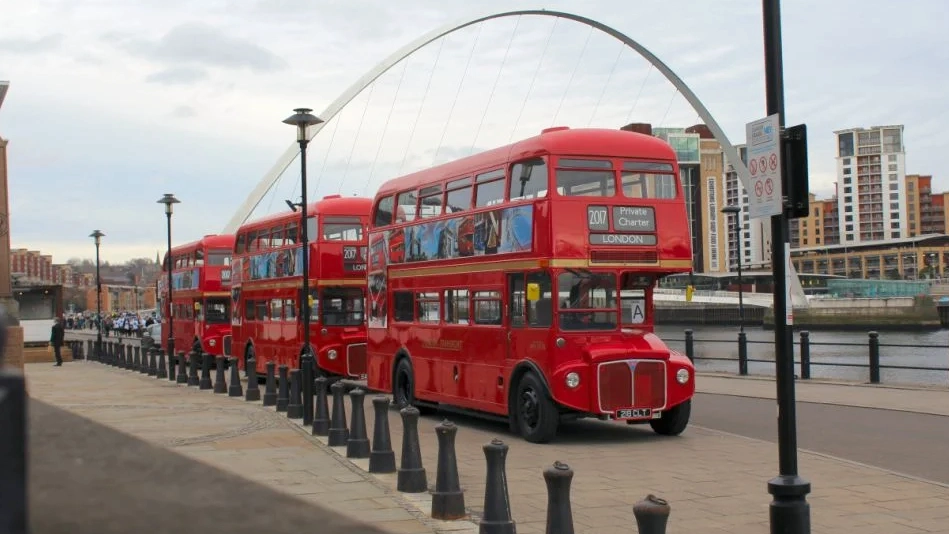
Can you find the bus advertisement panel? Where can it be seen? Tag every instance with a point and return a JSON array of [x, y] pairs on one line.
[[200, 301], [267, 286], [519, 282]]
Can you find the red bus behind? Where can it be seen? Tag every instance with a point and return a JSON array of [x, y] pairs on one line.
[[201, 274], [267, 284]]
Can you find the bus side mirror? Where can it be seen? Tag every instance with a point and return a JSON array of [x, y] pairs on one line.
[[533, 292]]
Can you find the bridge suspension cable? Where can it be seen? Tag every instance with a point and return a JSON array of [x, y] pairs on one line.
[[494, 87], [352, 149], [572, 75], [428, 86], [454, 102], [385, 128], [622, 48], [533, 79]]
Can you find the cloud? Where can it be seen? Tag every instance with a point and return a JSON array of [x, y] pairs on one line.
[[178, 75], [183, 112], [202, 44], [25, 45]]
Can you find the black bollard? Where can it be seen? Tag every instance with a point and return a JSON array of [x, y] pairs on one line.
[[144, 367], [193, 368], [652, 514], [205, 382], [295, 403], [496, 518], [253, 389], [357, 446], [559, 516], [182, 368], [153, 361], [137, 359], [172, 367], [283, 389], [235, 389], [270, 388], [220, 381], [448, 501], [321, 421], [411, 474], [162, 371], [338, 434], [14, 450], [382, 457], [121, 356]]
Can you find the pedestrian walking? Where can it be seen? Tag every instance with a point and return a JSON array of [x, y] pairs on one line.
[[56, 338]]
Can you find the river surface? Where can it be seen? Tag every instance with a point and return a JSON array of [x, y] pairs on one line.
[[912, 349]]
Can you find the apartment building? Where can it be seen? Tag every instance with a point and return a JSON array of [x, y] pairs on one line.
[[871, 180]]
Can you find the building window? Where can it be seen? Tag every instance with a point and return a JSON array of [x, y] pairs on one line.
[[895, 235], [847, 180], [894, 196], [848, 218], [848, 209], [894, 205], [892, 167], [847, 170], [847, 189], [846, 161], [848, 199], [845, 145], [849, 228], [895, 225], [896, 187]]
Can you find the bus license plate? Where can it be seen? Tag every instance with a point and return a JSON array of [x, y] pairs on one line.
[[634, 413]]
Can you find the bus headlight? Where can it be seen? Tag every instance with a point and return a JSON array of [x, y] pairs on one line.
[[331, 354], [212, 343], [572, 380], [682, 376]]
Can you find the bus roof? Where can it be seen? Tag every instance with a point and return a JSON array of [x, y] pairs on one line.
[[562, 141], [212, 241], [328, 205]]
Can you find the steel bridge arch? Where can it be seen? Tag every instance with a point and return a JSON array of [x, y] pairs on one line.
[[268, 181]]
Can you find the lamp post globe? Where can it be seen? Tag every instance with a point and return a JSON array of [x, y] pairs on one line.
[[97, 236], [302, 118], [169, 201]]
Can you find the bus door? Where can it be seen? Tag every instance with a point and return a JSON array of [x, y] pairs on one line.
[[530, 315]]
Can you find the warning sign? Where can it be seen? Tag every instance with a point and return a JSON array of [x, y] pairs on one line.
[[764, 165]]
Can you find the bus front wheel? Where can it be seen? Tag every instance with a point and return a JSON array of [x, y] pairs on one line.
[[403, 384], [673, 421], [535, 413]]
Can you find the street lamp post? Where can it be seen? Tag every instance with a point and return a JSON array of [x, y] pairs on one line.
[[97, 236], [733, 209], [169, 201], [789, 511], [303, 119]]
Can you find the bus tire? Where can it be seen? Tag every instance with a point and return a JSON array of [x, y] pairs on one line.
[[248, 354], [535, 413], [673, 421], [403, 384]]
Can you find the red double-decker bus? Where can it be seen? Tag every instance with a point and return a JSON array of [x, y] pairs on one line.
[[201, 295], [267, 286], [519, 282]]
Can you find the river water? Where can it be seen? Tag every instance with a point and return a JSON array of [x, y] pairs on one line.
[[915, 349]]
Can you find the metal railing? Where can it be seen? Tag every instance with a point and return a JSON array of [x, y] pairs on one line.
[[804, 362]]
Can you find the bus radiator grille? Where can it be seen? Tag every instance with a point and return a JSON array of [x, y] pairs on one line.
[[631, 384]]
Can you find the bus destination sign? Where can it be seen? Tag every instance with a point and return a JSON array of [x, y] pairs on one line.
[[623, 239], [626, 221]]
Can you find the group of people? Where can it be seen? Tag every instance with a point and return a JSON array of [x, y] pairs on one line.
[[123, 324]]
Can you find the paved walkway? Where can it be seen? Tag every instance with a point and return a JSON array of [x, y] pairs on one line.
[[238, 437], [714, 481], [929, 400]]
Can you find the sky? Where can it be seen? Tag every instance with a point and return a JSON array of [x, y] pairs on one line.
[[113, 103]]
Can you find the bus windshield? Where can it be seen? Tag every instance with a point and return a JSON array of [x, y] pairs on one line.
[[588, 300], [217, 310], [343, 306]]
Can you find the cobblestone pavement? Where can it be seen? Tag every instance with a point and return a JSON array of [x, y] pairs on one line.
[[715, 482]]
